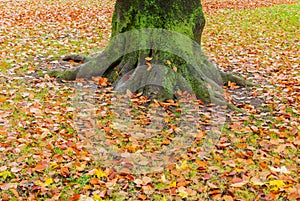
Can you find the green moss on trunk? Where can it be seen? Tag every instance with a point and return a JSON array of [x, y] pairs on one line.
[[185, 17]]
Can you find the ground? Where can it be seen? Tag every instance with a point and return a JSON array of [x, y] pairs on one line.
[[44, 157]]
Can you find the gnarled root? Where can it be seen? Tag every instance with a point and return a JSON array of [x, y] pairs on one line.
[[68, 74], [77, 58], [136, 76], [229, 76]]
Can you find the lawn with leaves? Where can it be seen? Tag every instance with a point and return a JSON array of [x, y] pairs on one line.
[[44, 157]]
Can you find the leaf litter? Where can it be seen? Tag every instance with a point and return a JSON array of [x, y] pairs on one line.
[[44, 157]]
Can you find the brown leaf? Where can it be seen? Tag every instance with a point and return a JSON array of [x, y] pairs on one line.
[[211, 185], [146, 180], [138, 182], [147, 189], [223, 145], [103, 194], [41, 166], [124, 172]]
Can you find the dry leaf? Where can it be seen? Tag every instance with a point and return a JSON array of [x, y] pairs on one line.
[[240, 184], [148, 58]]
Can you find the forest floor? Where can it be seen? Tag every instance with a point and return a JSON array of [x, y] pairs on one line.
[[49, 149]]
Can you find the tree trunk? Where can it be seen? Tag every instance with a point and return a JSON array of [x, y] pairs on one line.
[[185, 17], [155, 48]]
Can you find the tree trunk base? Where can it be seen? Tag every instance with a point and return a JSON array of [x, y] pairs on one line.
[[155, 49], [156, 81]]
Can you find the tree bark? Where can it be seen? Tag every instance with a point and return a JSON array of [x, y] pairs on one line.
[[166, 32], [185, 17]]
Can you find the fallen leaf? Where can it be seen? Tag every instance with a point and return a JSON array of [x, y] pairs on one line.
[[282, 169], [239, 184], [148, 58], [227, 198], [100, 173], [41, 166]]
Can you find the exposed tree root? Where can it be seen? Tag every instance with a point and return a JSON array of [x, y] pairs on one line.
[[229, 76], [77, 58], [159, 82], [68, 74]]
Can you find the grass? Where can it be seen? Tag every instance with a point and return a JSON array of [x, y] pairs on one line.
[[256, 28]]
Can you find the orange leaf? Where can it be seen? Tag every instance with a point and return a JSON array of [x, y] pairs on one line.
[[94, 181], [103, 81], [64, 171], [149, 66], [15, 192]]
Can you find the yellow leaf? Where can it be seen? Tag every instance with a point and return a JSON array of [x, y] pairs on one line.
[[39, 183], [175, 68], [80, 167], [167, 120], [183, 166], [87, 187], [164, 199], [97, 197], [54, 165], [99, 173], [278, 183], [183, 194], [5, 174], [69, 150], [173, 184], [239, 169], [3, 65], [275, 184], [48, 181]]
